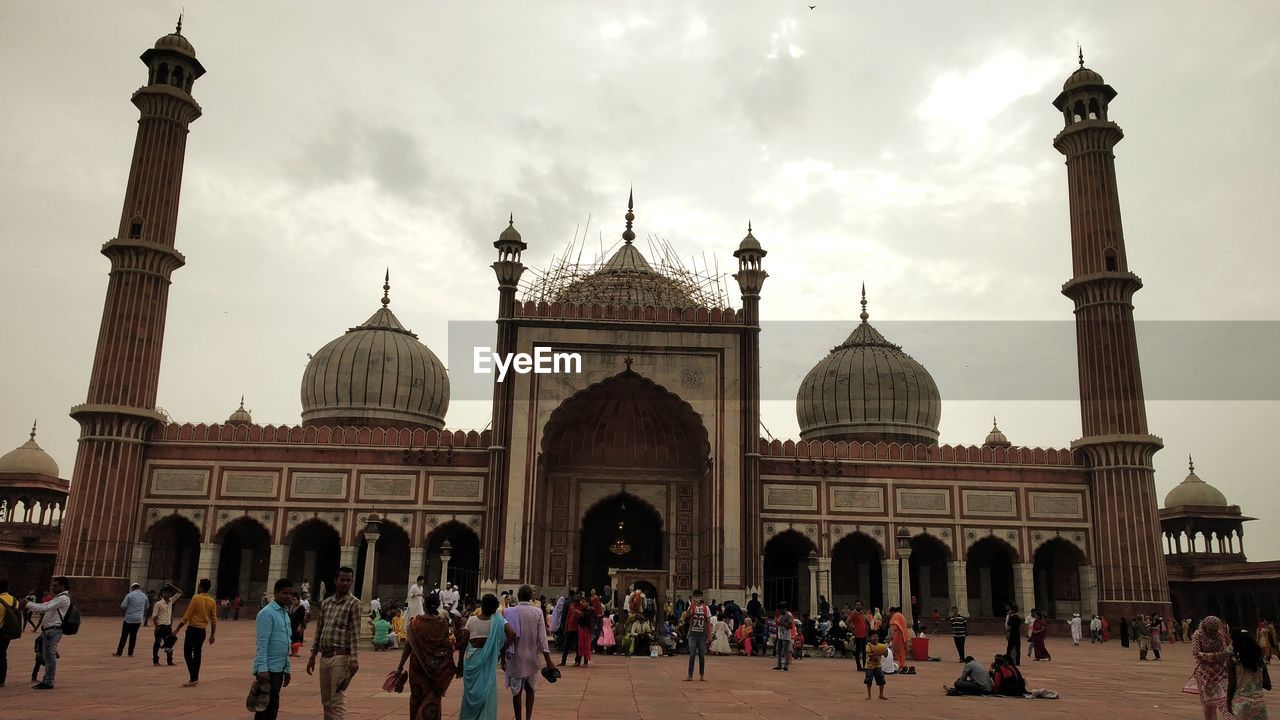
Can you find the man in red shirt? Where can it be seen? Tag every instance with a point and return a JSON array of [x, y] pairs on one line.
[[571, 630], [859, 626]]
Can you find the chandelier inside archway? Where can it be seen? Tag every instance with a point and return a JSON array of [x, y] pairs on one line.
[[620, 546]]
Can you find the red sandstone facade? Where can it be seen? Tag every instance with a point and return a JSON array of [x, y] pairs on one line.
[[658, 433]]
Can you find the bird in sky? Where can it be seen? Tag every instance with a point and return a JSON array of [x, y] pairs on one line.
[[812, 7]]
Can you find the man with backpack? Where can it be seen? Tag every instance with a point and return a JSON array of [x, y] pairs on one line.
[[698, 619], [58, 618], [10, 626]]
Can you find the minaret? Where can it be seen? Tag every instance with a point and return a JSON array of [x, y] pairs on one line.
[[98, 532], [751, 277], [508, 270], [1129, 563]]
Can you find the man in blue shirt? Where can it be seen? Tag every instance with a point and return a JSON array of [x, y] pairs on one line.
[[271, 661], [134, 606]]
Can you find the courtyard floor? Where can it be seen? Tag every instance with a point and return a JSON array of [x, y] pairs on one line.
[[1094, 682]]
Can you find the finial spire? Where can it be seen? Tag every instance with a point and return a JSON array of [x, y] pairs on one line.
[[994, 425], [627, 361], [511, 219], [242, 402], [864, 314], [33, 430], [628, 235], [178, 29], [1191, 465], [1080, 54], [386, 288], [748, 227]]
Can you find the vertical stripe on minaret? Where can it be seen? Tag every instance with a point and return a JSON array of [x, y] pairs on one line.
[[1126, 527], [102, 514]]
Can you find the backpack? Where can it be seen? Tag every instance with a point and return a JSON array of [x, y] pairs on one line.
[[71, 620], [11, 625]]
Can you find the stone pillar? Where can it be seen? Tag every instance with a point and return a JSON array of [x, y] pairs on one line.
[[346, 557], [244, 587], [811, 567], [905, 595], [1024, 587], [824, 581], [207, 567], [309, 562], [924, 576], [371, 542], [417, 565], [889, 584], [446, 550], [864, 584], [278, 567], [141, 564], [959, 586], [1088, 591], [984, 593]]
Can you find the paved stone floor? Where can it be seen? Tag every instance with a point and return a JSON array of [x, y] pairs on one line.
[[1094, 682]]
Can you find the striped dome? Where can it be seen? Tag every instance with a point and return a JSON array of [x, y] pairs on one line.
[[867, 388], [378, 373]]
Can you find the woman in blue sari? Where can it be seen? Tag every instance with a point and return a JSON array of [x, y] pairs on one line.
[[482, 642]]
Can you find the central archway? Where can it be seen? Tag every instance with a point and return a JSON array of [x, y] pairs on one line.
[[243, 561], [620, 517], [625, 431]]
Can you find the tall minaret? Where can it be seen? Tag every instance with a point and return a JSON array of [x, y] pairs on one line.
[[1129, 563], [751, 277], [98, 532]]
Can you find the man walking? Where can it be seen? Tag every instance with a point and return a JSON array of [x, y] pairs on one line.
[[573, 613], [786, 632], [271, 658], [859, 626], [1013, 626], [134, 606], [1076, 631], [527, 649], [201, 616], [416, 594], [337, 641], [52, 614], [1095, 630], [162, 622], [959, 631], [698, 617]]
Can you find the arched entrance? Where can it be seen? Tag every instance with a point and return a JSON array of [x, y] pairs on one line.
[[856, 572], [786, 570], [989, 573], [243, 561], [620, 522], [391, 563], [464, 558], [315, 552], [929, 584], [623, 432], [1056, 571], [175, 553]]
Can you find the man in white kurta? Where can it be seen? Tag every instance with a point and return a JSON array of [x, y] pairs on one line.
[[1076, 631], [414, 600]]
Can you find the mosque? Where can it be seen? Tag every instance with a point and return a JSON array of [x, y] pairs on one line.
[[647, 467]]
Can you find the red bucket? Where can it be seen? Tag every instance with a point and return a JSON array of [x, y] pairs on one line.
[[920, 648]]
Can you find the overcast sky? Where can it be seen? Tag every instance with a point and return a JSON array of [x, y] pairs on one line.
[[907, 145]]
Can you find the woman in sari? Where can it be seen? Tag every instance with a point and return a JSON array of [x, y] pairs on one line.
[[1038, 632], [745, 633], [898, 626], [484, 639], [1211, 648], [876, 620], [429, 652]]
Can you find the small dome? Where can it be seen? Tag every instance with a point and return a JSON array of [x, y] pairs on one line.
[[996, 438], [1082, 77], [867, 388], [175, 42], [628, 279], [29, 458], [510, 235], [749, 244], [376, 373], [1194, 491], [240, 416]]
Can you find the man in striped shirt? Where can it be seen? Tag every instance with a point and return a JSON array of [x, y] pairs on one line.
[[959, 630], [337, 641]]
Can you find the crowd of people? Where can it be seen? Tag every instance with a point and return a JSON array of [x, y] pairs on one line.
[[507, 641]]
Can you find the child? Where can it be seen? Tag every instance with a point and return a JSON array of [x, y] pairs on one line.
[[397, 629], [876, 650]]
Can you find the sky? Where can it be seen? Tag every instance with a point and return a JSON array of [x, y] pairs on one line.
[[908, 146]]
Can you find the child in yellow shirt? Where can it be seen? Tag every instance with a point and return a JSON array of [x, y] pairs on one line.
[[876, 652]]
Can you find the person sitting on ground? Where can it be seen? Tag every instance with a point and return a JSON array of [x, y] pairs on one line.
[[1006, 679], [974, 679], [381, 634]]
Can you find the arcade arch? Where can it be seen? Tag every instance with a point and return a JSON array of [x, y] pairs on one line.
[[464, 557], [175, 553], [391, 563], [1056, 573], [990, 580], [856, 572], [243, 561], [786, 570], [619, 517], [315, 553], [930, 585]]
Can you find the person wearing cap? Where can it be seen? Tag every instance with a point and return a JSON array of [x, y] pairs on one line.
[[134, 606], [1077, 632]]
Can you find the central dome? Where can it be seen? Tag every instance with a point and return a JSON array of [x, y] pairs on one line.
[[868, 389], [378, 373]]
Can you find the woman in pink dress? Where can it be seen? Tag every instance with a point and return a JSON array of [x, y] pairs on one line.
[[607, 640]]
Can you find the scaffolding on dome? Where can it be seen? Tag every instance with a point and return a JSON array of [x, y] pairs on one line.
[[701, 281]]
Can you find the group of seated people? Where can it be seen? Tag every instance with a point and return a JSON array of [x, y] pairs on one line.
[[388, 630], [1002, 678]]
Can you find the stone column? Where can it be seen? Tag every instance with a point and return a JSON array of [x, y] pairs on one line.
[[984, 592], [346, 557], [889, 584], [141, 564], [417, 565], [1088, 591], [864, 584], [371, 542], [207, 567], [905, 595], [245, 585], [811, 567], [446, 550], [278, 567], [924, 576], [1024, 587], [959, 586], [824, 581]]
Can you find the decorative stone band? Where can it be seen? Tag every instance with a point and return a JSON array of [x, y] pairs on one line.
[[817, 452], [1104, 288], [166, 102], [574, 311], [115, 422], [141, 256], [1119, 451], [1088, 136]]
